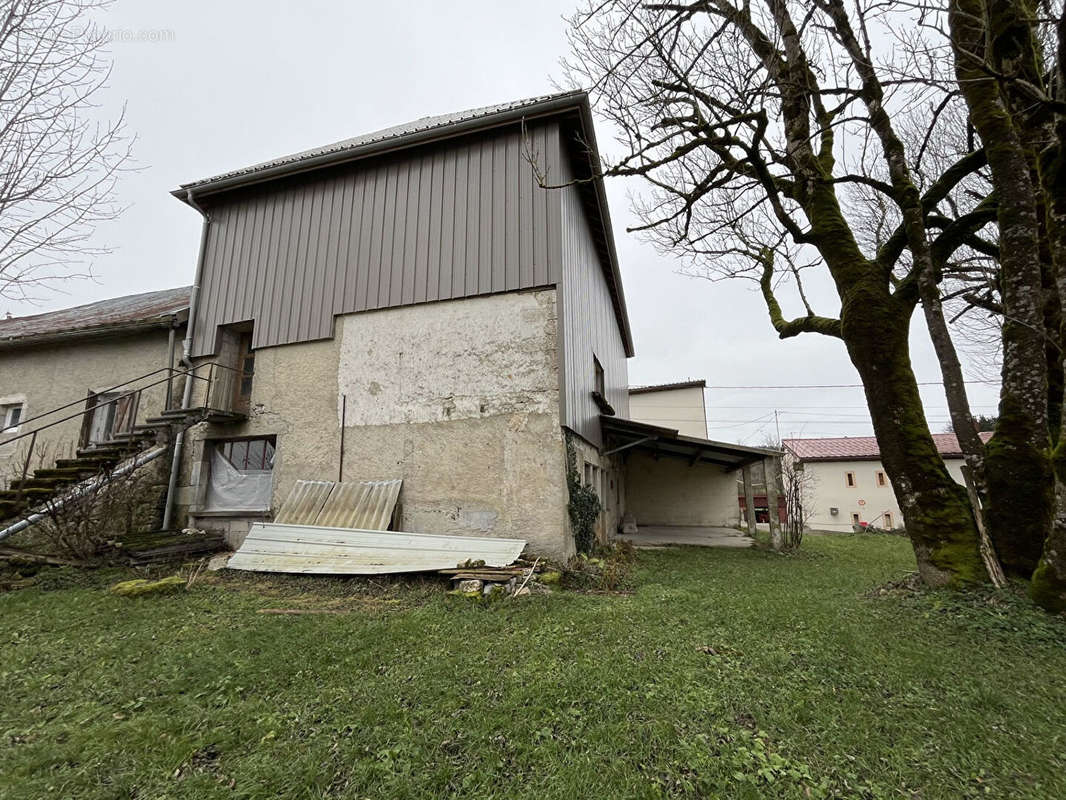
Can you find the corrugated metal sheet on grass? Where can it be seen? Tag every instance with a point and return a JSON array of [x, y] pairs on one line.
[[365, 505], [270, 547]]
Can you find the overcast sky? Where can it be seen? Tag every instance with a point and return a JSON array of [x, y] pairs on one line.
[[211, 86]]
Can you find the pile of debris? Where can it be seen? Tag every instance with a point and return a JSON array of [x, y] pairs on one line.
[[154, 547], [475, 580]]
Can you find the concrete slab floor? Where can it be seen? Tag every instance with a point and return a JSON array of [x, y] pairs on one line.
[[663, 535]]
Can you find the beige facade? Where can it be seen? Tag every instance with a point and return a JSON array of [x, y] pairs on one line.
[[858, 490], [459, 398], [45, 376], [680, 407]]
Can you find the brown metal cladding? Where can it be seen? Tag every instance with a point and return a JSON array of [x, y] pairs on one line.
[[455, 219]]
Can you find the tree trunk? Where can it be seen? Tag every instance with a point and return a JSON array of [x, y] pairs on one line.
[[936, 510], [1017, 467], [1048, 584], [973, 449]]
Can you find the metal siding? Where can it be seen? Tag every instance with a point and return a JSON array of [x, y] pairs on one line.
[[455, 220], [270, 547], [587, 321], [366, 505], [304, 502]]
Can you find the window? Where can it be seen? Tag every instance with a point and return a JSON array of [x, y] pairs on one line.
[[849, 479], [248, 454], [888, 521], [855, 519], [241, 474], [601, 384], [881, 478], [10, 416]]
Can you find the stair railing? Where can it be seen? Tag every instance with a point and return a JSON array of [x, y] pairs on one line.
[[218, 389]]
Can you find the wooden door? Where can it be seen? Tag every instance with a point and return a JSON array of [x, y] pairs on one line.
[[242, 389]]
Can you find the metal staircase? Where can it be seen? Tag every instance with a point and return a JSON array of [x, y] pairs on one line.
[[129, 446]]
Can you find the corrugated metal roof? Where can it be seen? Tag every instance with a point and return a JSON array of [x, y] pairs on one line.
[[420, 125], [148, 307], [270, 547], [365, 505], [856, 448]]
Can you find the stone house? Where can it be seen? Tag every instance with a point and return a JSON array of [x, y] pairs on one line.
[[439, 302], [59, 370]]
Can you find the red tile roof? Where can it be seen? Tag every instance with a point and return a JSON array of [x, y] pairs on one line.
[[863, 448]]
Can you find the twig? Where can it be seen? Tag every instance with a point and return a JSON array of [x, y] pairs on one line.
[[530, 575]]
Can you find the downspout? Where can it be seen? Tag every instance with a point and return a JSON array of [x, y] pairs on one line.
[[186, 361]]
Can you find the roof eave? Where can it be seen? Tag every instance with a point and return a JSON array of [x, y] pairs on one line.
[[164, 322], [553, 105]]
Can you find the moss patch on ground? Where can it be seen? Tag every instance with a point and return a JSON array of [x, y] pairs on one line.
[[728, 673]]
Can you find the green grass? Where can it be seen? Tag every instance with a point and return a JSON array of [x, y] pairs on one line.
[[733, 674]]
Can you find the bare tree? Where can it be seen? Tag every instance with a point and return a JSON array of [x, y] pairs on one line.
[[754, 125], [57, 165]]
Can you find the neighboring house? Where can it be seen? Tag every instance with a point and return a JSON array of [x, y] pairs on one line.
[[71, 358], [847, 486], [674, 405], [414, 304]]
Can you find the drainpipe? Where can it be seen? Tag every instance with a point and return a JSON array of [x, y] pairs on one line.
[[186, 360]]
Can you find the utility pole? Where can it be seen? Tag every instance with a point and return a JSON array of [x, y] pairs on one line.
[[777, 422]]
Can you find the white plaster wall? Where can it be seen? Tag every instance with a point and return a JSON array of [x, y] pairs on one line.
[[451, 360], [670, 492], [828, 488], [458, 398], [683, 409]]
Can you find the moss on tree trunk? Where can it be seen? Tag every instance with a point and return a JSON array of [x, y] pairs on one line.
[[936, 510]]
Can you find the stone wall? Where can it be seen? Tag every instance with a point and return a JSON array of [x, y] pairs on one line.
[[459, 398]]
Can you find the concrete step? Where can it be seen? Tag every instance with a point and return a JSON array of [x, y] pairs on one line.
[[72, 472], [52, 484], [27, 496]]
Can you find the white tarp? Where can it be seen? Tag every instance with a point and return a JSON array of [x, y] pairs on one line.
[[232, 489]]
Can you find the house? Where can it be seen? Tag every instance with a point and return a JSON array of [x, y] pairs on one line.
[[418, 304], [59, 370], [845, 485], [679, 405]]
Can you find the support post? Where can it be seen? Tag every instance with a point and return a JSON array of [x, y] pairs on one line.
[[749, 499], [770, 474]]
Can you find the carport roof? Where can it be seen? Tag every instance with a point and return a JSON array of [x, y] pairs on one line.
[[624, 434]]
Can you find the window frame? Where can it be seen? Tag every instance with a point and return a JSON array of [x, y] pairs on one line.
[[849, 480], [7, 425], [225, 448], [880, 478], [856, 519]]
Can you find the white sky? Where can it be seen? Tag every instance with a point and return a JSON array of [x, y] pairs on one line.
[[227, 84]]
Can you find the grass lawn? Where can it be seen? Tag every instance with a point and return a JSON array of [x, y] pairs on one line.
[[733, 674]]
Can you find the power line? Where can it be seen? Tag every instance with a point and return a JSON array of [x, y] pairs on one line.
[[837, 385]]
